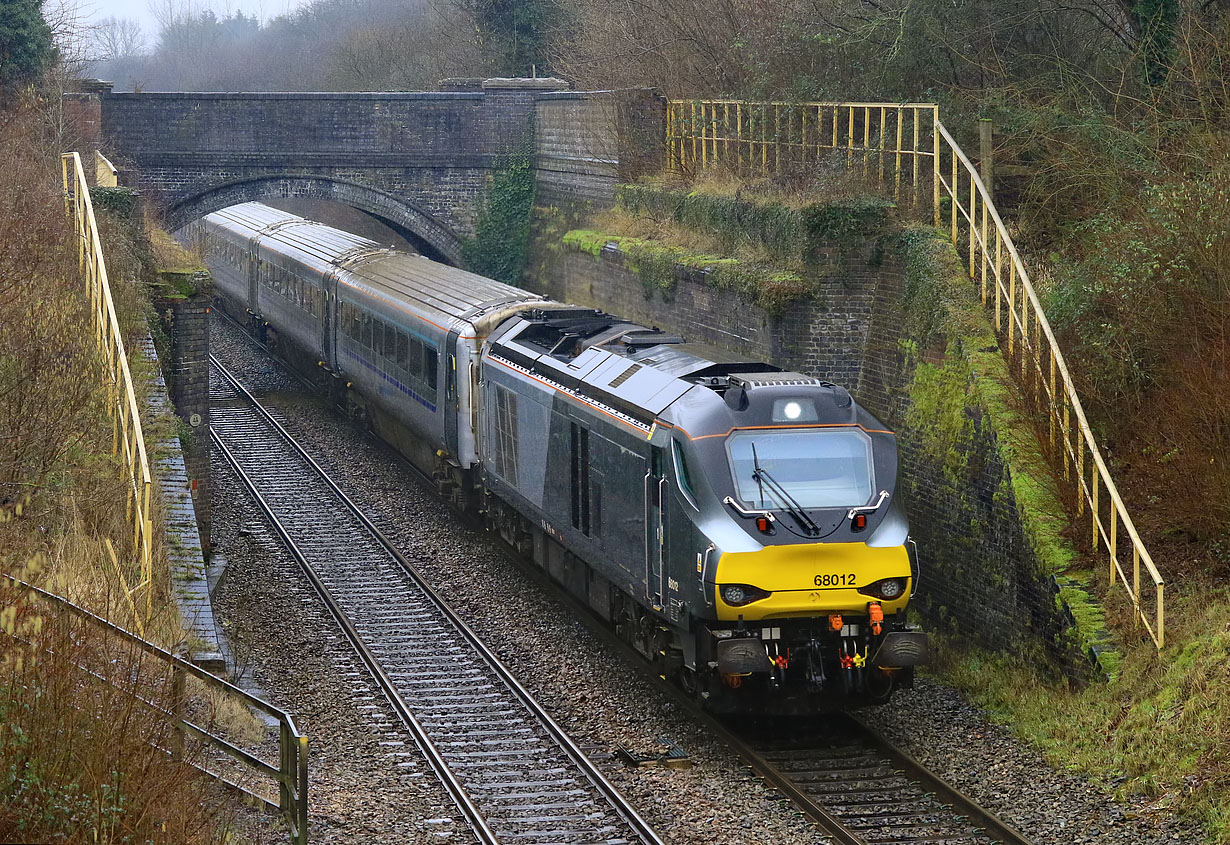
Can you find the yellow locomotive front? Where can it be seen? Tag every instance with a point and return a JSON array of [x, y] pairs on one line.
[[808, 568]]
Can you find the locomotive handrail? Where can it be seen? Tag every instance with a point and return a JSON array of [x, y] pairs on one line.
[[763, 137], [128, 439]]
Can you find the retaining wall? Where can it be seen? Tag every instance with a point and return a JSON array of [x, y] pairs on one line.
[[885, 310]]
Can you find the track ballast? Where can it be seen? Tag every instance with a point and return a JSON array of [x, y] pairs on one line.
[[512, 771]]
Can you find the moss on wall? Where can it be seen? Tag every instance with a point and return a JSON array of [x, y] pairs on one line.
[[659, 265], [964, 383], [178, 274]]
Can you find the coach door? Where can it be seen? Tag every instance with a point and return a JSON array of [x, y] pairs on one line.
[[451, 404], [329, 321], [253, 266], [655, 483]]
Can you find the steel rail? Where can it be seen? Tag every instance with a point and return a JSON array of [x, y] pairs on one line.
[[456, 791], [614, 799], [982, 818]]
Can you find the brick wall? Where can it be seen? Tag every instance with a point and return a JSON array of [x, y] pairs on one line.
[[988, 573], [185, 322]]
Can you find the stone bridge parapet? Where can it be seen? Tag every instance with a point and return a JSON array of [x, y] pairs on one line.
[[419, 161]]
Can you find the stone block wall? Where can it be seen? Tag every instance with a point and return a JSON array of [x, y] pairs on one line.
[[587, 143], [185, 321], [420, 160]]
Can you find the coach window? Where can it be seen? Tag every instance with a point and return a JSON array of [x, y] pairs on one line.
[[402, 349], [433, 363], [366, 338], [414, 366]]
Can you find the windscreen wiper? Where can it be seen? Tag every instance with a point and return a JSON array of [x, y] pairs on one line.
[[762, 477]]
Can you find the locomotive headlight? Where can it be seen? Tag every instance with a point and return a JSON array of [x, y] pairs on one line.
[[797, 410], [885, 588], [741, 594]]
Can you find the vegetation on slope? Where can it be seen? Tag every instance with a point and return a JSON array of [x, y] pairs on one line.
[[81, 760]]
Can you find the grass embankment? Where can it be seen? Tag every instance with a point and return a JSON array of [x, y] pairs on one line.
[[81, 760], [752, 237]]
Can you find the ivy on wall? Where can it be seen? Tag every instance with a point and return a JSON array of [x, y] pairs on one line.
[[500, 245]]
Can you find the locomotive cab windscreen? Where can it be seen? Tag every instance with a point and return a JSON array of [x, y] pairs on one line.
[[802, 467]]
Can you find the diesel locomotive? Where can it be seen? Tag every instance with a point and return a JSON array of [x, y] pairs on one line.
[[735, 523]]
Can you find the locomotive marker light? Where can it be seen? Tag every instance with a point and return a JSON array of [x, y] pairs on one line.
[[887, 588], [737, 595]]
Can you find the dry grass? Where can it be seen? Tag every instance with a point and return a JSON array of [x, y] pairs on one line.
[[81, 758]]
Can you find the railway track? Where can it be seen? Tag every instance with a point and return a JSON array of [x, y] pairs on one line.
[[841, 773], [513, 773]]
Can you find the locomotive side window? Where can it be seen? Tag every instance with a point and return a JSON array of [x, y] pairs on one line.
[[506, 434], [681, 470]]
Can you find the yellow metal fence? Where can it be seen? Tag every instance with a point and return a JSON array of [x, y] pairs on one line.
[[128, 441], [907, 145]]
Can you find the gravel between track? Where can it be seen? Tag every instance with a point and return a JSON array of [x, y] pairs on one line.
[[590, 690]]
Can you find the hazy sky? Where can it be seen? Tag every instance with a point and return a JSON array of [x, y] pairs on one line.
[[142, 10]]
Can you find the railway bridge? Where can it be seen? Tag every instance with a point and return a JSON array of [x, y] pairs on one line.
[[418, 161]]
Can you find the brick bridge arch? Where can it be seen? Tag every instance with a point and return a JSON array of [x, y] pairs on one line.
[[440, 239]]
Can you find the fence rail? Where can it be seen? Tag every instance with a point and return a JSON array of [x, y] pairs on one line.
[[291, 773], [908, 144], [128, 439]]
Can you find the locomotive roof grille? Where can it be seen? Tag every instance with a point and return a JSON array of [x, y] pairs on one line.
[[750, 381]]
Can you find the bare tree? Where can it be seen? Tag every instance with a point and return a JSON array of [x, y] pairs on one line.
[[116, 39]]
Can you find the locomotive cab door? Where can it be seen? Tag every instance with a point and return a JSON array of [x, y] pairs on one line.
[[655, 536]]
